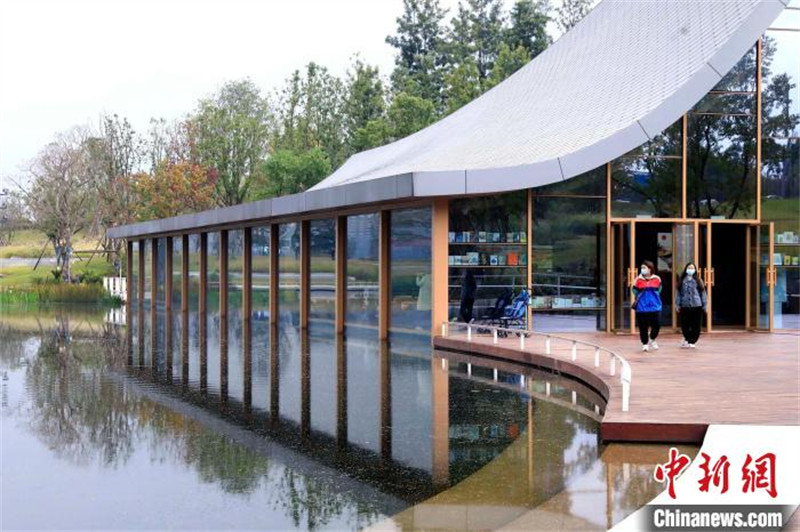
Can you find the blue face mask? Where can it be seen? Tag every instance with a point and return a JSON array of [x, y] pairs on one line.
[[690, 272]]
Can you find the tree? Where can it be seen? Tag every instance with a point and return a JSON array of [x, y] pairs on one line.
[[419, 41], [232, 130], [508, 62], [364, 101], [62, 196], [408, 114], [173, 189], [463, 84], [476, 33], [287, 172], [528, 26], [571, 12], [171, 142]]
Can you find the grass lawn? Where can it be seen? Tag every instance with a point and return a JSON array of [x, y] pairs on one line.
[[29, 243], [25, 276]]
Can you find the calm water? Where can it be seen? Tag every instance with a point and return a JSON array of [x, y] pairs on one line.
[[108, 428]]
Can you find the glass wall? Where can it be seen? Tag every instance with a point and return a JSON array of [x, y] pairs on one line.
[[145, 250], [194, 270], [289, 273], [133, 275], [646, 182], [721, 145], [177, 254], [410, 261], [235, 264], [323, 269], [568, 256], [488, 252], [260, 253], [161, 277], [362, 270], [235, 280], [780, 157], [212, 313]]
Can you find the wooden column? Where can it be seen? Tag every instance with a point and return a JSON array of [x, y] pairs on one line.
[[609, 256], [305, 273], [341, 392], [223, 314], [129, 287], [439, 268], [529, 253], [386, 401], [384, 275], [274, 253], [247, 314], [247, 273], [684, 157], [759, 50], [202, 317], [153, 301], [141, 274], [341, 274], [185, 310], [168, 276], [441, 421]]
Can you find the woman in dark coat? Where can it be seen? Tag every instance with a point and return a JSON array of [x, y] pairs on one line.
[[690, 302], [468, 288]]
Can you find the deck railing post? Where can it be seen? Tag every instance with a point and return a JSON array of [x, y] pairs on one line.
[[547, 345], [469, 333], [574, 350], [613, 369], [494, 336], [597, 357], [521, 341]]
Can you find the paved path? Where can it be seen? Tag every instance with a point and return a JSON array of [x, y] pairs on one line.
[[732, 377]]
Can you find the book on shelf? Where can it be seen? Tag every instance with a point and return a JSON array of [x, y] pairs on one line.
[[493, 260], [451, 236], [501, 259], [481, 236], [523, 259], [513, 258], [473, 258]]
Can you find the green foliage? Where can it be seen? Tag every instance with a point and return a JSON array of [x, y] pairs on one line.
[[528, 26], [463, 85], [365, 100], [287, 172], [408, 114], [232, 132], [571, 12], [508, 62]]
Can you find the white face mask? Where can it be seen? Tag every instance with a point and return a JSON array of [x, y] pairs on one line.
[[690, 271], [644, 270]]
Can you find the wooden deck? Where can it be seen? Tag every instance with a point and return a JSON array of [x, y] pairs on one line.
[[732, 377]]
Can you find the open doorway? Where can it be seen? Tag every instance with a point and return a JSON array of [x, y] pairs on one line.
[[729, 263]]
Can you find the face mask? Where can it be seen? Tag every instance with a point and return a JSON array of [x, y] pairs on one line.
[[644, 270], [690, 271]]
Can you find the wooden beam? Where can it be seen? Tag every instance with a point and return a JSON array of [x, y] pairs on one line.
[[340, 301], [440, 221], [274, 255], [384, 275], [305, 273]]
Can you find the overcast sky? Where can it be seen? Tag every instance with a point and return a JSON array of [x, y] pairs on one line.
[[65, 62]]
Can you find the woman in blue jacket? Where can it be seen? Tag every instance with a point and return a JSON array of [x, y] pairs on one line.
[[647, 302]]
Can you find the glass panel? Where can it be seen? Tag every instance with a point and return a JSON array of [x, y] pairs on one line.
[[762, 256], [780, 170], [177, 253], [568, 292], [323, 269], [684, 247], [133, 275], [235, 286], [488, 252], [289, 273], [362, 270], [161, 260], [411, 270], [646, 182], [721, 167], [260, 273], [147, 273], [591, 183], [194, 270], [621, 249], [212, 313]]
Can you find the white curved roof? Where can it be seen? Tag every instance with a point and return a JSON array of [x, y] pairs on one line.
[[621, 76]]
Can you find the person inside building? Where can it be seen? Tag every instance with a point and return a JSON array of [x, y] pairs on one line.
[[468, 288], [647, 303], [690, 303]]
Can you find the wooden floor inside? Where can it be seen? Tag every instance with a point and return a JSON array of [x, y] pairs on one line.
[[730, 378]]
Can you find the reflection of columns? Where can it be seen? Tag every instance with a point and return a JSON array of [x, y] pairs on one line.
[[384, 275], [441, 421], [439, 250], [223, 315], [305, 272], [153, 301], [247, 356], [386, 401], [305, 384], [530, 448], [341, 392], [273, 273], [202, 311], [185, 310], [129, 288], [341, 273], [274, 375], [609, 496]]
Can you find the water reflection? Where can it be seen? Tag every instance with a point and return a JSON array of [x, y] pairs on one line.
[[283, 430]]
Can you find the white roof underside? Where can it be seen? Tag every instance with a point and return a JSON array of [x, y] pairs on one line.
[[621, 76]]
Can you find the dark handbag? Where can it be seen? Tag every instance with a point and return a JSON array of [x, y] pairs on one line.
[[635, 303]]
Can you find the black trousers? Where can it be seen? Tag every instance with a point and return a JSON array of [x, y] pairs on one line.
[[466, 309], [691, 318], [649, 325]]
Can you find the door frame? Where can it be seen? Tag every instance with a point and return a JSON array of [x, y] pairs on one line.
[[612, 277], [753, 285]]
